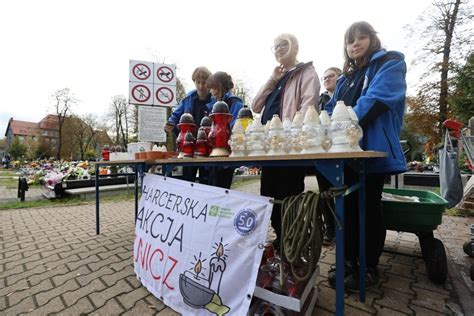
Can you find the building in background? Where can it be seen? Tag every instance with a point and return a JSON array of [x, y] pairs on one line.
[[44, 137]]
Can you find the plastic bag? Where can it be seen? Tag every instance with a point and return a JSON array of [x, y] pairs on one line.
[[449, 175]]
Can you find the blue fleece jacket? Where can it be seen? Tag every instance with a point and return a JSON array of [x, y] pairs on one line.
[[185, 106], [234, 102], [380, 109]]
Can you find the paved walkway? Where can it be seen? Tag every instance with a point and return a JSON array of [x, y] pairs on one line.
[[51, 261]]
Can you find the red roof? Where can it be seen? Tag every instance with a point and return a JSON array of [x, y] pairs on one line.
[[24, 128], [50, 121]]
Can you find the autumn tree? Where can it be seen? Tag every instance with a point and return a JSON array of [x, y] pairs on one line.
[[84, 129], [43, 150], [63, 101], [444, 35], [17, 149]]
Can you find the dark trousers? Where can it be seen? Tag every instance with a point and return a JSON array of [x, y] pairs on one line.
[[324, 185], [221, 176], [189, 174], [375, 231], [279, 183]]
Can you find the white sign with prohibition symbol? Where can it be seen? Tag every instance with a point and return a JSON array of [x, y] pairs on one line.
[[141, 71], [141, 93], [165, 95], [165, 74]]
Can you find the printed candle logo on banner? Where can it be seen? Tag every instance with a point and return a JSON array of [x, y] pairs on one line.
[[201, 292]]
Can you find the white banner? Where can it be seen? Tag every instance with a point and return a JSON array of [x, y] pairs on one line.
[[197, 247]]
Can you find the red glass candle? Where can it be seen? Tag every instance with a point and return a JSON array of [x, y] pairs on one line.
[[202, 148], [220, 134], [183, 129], [188, 145], [106, 153]]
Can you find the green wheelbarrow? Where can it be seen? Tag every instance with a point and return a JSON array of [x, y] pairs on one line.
[[421, 218]]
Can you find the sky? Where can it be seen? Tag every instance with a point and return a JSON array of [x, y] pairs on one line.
[[86, 45]]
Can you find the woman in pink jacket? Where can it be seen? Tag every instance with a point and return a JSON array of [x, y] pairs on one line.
[[292, 87]]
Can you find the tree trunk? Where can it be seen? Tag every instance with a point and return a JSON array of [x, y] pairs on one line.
[[449, 23]]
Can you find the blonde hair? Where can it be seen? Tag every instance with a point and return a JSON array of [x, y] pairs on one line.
[[293, 45], [201, 73]]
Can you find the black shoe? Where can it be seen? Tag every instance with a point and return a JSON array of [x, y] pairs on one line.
[[349, 270], [371, 280], [329, 236]]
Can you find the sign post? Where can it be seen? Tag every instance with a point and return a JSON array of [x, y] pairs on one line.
[[152, 84]]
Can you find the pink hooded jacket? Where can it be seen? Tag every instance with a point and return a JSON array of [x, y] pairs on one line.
[[301, 90]]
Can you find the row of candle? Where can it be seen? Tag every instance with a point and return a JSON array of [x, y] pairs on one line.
[[311, 133]]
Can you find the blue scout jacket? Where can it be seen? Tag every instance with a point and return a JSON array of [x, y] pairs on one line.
[[234, 102], [380, 109], [185, 106]]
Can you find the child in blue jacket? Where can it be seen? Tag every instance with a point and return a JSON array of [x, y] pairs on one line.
[[373, 83], [220, 84], [194, 103]]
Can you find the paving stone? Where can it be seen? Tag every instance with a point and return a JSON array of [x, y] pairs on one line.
[[48, 273], [329, 258], [420, 311], [384, 310], [326, 298], [71, 297], [394, 300], [423, 282], [26, 305], [63, 278], [168, 312], [321, 312], [129, 300], [111, 258], [398, 283], [27, 291], [111, 307], [85, 279], [401, 269], [142, 308], [385, 259], [122, 264], [81, 307], [133, 281], [53, 306], [430, 300], [353, 301], [101, 297], [44, 297], [111, 279], [405, 260]]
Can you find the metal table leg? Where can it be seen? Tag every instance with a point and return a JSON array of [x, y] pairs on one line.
[[97, 217]]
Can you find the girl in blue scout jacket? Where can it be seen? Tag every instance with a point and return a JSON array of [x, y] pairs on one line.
[[220, 84], [373, 83], [194, 103]]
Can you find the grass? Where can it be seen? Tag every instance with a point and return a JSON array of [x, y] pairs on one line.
[[69, 201], [459, 212], [9, 183], [238, 184]]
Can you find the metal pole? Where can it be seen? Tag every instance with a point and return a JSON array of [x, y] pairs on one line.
[[97, 224]]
